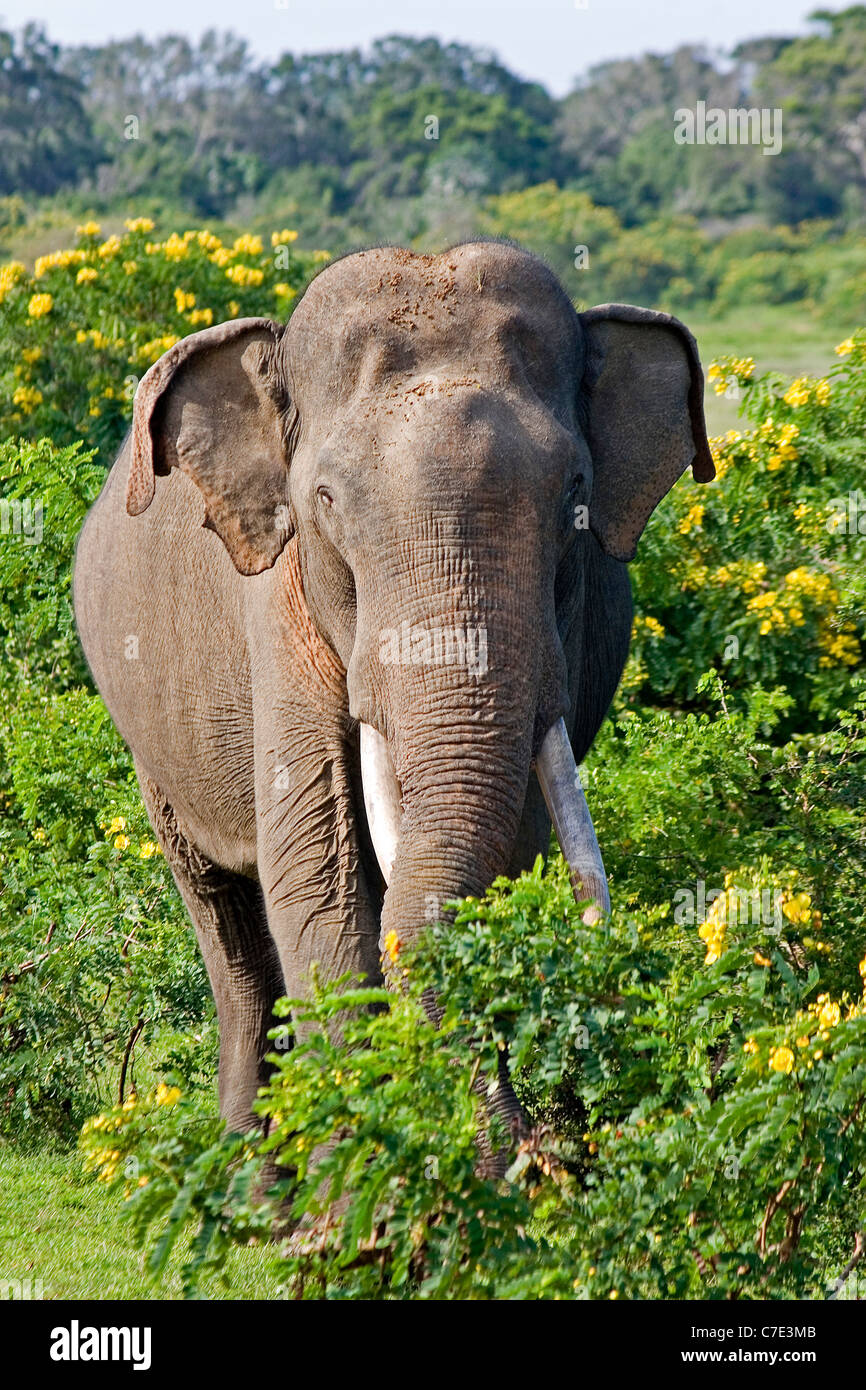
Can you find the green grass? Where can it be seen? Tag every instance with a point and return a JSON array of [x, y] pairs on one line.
[[60, 1226]]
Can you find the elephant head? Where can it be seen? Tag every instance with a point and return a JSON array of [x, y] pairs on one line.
[[430, 433]]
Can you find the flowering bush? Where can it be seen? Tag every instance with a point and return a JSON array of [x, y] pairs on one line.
[[95, 954], [763, 573], [697, 1121], [78, 332]]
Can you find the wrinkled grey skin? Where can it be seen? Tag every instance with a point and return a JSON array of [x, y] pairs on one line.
[[412, 447]]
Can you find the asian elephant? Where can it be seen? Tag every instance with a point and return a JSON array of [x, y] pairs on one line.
[[356, 596]]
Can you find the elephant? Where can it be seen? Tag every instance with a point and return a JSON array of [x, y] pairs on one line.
[[355, 594]]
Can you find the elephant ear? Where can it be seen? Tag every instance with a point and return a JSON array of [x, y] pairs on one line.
[[641, 408], [215, 407]]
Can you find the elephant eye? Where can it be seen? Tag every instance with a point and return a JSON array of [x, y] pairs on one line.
[[325, 495]]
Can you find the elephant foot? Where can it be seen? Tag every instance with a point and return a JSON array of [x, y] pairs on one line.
[[494, 1162], [504, 1107]]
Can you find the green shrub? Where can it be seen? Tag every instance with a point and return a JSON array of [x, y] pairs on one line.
[[695, 1066], [95, 953]]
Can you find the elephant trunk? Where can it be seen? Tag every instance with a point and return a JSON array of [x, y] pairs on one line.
[[461, 799], [460, 811], [563, 793]]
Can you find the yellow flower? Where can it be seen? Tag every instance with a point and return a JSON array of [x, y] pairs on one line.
[[221, 256], [798, 908], [174, 248], [149, 352], [829, 1015], [823, 391], [761, 960], [85, 275], [249, 245], [841, 648], [692, 519], [109, 248], [201, 316], [798, 392], [720, 372], [283, 238], [40, 305], [121, 842], [9, 275], [138, 224], [392, 946], [167, 1095], [31, 355], [321, 257], [286, 291], [183, 299], [245, 275], [650, 624], [148, 849], [89, 229], [234, 308], [844, 348], [56, 260], [782, 1059], [98, 339], [27, 397], [207, 241]]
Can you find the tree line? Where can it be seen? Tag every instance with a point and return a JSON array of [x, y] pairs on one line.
[[374, 142]]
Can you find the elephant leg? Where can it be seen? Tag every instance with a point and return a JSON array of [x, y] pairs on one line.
[[313, 871], [228, 914]]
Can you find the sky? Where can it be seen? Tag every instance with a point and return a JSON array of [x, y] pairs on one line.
[[553, 41]]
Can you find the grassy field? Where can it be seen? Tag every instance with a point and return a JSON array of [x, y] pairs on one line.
[[59, 1226]]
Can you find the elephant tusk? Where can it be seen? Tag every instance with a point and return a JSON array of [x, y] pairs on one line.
[[381, 797], [563, 792]]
